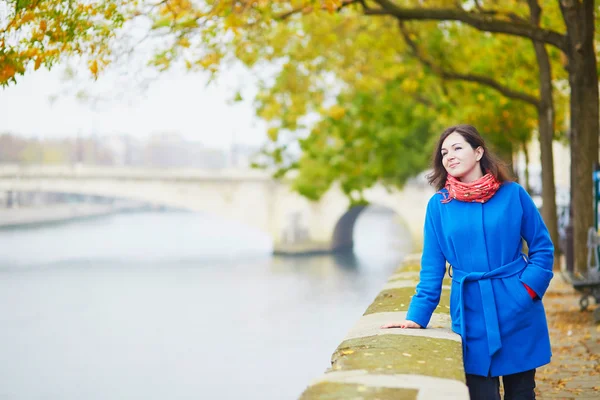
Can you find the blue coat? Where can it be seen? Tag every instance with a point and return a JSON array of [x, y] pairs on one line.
[[504, 330]]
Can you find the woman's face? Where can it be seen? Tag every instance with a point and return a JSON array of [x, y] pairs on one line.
[[459, 159]]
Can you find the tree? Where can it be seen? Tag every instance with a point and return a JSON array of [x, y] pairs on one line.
[[377, 136], [40, 32], [386, 136], [366, 62]]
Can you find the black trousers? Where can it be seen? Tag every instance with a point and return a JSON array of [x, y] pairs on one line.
[[516, 387]]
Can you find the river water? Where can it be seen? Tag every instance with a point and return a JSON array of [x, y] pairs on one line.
[[178, 305]]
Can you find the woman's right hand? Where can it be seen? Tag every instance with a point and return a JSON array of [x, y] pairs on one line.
[[402, 324]]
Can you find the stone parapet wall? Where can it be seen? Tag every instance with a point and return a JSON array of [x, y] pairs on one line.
[[375, 363]]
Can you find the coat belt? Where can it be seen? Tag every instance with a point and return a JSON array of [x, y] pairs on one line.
[[489, 302]]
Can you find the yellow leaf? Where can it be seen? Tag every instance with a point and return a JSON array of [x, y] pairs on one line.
[[184, 42], [332, 5], [94, 68], [209, 60], [409, 85], [344, 352], [26, 18], [7, 73], [336, 112], [273, 133]]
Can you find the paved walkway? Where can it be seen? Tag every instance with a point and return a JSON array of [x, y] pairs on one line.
[[575, 369]]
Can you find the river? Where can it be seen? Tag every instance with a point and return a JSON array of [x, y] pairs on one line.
[[176, 305]]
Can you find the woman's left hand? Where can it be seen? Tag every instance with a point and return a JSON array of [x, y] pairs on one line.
[[402, 324]]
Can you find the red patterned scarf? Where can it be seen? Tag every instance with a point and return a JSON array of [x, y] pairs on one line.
[[478, 191]]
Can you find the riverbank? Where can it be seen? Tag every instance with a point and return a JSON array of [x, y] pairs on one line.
[[59, 213], [375, 363]]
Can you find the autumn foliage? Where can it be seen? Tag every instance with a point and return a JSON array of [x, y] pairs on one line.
[[35, 33]]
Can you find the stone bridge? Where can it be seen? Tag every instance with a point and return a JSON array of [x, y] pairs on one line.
[[252, 197]]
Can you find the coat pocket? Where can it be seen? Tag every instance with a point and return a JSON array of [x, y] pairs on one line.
[[513, 303], [515, 291]]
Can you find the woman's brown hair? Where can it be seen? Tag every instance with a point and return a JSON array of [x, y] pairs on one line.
[[488, 163]]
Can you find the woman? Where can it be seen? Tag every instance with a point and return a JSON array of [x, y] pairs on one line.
[[476, 223]]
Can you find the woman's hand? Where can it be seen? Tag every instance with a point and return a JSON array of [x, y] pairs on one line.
[[402, 324]]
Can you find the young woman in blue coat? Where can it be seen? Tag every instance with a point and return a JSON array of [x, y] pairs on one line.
[[476, 223]]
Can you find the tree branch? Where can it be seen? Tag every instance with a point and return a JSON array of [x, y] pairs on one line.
[[310, 8], [483, 80], [512, 16], [482, 22]]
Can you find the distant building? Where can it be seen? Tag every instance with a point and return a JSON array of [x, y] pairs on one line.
[[242, 155], [171, 150]]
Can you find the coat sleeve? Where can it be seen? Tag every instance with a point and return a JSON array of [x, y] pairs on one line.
[[538, 273], [433, 268]]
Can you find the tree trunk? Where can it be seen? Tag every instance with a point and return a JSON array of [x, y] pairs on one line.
[[583, 79], [526, 169], [506, 153], [546, 132]]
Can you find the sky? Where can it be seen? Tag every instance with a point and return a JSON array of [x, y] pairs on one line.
[[43, 104]]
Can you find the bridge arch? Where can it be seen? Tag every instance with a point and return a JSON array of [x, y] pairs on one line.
[[344, 233]]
